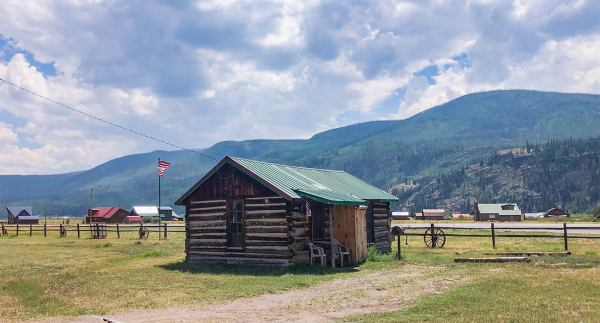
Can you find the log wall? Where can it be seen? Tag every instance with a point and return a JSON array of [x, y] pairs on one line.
[[382, 216]]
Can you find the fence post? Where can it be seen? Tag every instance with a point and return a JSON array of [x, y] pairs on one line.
[[433, 236], [118, 232], [61, 230], [493, 236], [17, 229], [30, 229], [399, 243], [165, 231], [1, 232], [565, 235], [78, 232], [44, 229]]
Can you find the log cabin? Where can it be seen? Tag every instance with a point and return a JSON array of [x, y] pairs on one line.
[[251, 212]]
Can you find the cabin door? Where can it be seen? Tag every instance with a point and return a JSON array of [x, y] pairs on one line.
[[370, 224], [318, 221]]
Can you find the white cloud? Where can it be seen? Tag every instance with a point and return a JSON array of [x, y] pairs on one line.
[[209, 71]]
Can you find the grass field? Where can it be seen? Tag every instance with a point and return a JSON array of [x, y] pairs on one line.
[[52, 276]]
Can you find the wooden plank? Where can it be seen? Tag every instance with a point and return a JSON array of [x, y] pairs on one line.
[[206, 242], [276, 198], [210, 208], [266, 243], [239, 254], [380, 223], [209, 235], [267, 221], [203, 215], [239, 261], [197, 218], [494, 259], [531, 253], [204, 224], [265, 212], [207, 202], [266, 205], [206, 230], [266, 229]]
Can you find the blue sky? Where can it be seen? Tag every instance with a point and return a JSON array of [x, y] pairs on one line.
[[199, 72]]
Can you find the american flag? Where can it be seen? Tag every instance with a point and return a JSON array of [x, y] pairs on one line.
[[162, 165]]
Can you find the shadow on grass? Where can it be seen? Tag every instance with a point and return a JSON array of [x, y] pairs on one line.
[[253, 270]]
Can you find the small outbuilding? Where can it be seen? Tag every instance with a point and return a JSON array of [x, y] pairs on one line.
[[497, 212], [21, 215], [433, 214], [166, 213], [556, 212], [250, 212], [107, 215], [132, 220], [401, 216], [143, 211]]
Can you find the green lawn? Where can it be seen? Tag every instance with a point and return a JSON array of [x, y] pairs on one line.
[[52, 276], [548, 289]]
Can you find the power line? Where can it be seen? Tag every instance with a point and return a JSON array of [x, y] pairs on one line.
[[106, 121]]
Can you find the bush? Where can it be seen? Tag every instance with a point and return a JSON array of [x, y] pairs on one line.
[[374, 255], [147, 219]]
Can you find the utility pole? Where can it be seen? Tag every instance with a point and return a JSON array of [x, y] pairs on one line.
[[91, 199], [159, 202]]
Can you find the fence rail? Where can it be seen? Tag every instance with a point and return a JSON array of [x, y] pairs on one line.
[[96, 230], [493, 232]]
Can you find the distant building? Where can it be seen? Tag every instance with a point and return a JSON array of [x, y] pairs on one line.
[[418, 216], [534, 215], [556, 212], [107, 215], [132, 219], [464, 215], [433, 214], [497, 212], [21, 215], [143, 211], [400, 216], [166, 213]]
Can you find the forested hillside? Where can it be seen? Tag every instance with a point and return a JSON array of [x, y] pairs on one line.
[[564, 173], [399, 155]]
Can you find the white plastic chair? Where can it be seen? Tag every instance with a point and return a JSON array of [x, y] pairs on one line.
[[316, 252], [341, 251]]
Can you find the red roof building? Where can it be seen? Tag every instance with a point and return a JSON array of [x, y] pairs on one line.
[[107, 215]]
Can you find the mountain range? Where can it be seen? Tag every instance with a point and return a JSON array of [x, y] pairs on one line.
[[396, 155]]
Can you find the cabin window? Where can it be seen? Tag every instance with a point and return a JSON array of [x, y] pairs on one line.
[[318, 221], [370, 224], [235, 233]]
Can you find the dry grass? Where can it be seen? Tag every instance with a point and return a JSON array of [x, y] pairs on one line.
[[50, 277]]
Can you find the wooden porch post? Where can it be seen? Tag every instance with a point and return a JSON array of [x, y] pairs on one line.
[[330, 206]]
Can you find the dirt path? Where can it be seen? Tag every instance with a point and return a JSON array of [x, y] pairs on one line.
[[368, 293]]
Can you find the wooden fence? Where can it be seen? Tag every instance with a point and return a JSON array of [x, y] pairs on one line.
[[493, 233], [95, 230]]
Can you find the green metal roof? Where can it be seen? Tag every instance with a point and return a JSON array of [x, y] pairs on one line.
[[497, 208], [332, 186], [330, 197]]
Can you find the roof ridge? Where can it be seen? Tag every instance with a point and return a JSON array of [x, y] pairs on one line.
[[301, 167]]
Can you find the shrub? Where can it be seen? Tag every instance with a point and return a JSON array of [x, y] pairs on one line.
[[147, 219], [375, 256]]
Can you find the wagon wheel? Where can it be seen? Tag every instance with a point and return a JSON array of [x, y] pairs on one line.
[[63, 232], [435, 240], [144, 233]]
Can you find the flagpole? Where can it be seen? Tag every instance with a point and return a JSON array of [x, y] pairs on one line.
[[159, 202]]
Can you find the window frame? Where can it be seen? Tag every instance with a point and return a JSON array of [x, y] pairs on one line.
[[242, 227]]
